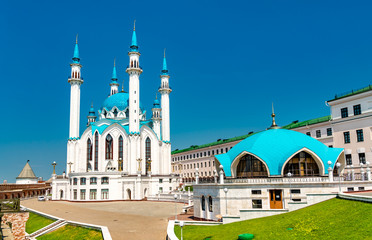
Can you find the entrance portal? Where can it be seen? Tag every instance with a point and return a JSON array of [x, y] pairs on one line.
[[276, 199]]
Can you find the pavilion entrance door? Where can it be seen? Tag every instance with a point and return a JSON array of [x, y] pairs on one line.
[[276, 201]]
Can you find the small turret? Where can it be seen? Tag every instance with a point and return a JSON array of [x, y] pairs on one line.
[[114, 82], [91, 116]]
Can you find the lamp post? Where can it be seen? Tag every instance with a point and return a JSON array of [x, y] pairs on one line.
[[54, 164], [290, 186], [338, 165], [181, 225], [120, 165], [175, 207], [226, 190]]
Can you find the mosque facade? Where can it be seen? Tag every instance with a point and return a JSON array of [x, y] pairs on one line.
[[121, 155]]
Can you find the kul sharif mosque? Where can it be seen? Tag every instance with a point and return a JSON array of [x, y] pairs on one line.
[[121, 155]]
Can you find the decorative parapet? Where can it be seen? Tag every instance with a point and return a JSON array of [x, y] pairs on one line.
[[74, 138], [134, 133]]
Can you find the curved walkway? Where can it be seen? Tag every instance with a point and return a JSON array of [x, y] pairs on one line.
[[126, 220]]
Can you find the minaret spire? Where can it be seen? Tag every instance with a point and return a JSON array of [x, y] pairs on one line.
[[273, 125], [114, 84]]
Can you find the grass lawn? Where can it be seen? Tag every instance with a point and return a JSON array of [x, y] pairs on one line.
[[72, 233], [332, 219], [36, 222]]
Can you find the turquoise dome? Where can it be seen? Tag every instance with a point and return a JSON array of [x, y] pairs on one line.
[[119, 100], [275, 146]]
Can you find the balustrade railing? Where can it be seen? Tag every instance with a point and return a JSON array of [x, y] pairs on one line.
[[10, 205]]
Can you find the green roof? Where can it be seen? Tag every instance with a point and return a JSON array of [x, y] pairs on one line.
[[296, 124], [218, 142], [351, 93]]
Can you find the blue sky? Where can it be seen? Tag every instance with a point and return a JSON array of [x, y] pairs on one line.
[[228, 61]]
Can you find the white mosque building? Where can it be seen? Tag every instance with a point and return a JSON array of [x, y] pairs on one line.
[[122, 155]]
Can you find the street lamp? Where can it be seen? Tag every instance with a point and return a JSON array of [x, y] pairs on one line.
[[338, 165], [226, 190], [290, 186], [181, 225], [175, 207]]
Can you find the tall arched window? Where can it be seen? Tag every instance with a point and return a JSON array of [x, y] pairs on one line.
[[302, 164], [109, 145], [203, 203], [210, 204], [250, 166], [148, 155], [96, 151], [121, 153], [89, 154]]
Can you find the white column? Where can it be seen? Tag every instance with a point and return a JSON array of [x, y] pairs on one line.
[[74, 109], [330, 174], [165, 114], [221, 175], [134, 72]]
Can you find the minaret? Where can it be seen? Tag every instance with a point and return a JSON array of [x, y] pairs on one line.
[[134, 72], [114, 84], [156, 117], [164, 91], [91, 116], [75, 80]]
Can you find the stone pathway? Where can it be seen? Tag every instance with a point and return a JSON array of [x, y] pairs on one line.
[[7, 233], [126, 220]]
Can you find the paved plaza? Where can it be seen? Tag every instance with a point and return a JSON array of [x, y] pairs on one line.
[[125, 219]]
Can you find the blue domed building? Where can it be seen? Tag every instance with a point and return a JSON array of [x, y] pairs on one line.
[[271, 172], [122, 154]]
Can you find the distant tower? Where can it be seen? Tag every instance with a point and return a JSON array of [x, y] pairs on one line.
[[114, 82], [156, 117], [134, 72], [91, 116], [75, 80], [164, 91]]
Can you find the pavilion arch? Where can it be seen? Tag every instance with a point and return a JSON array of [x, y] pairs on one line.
[[235, 163], [341, 159], [314, 156]]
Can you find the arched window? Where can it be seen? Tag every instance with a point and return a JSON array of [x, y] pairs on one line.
[[109, 145], [121, 153], [210, 204], [302, 164], [89, 154], [148, 155], [115, 111], [250, 166], [131, 63], [203, 203], [96, 151]]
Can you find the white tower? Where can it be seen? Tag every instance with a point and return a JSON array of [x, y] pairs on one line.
[[114, 82], [164, 91], [75, 80], [134, 72], [156, 117], [165, 126]]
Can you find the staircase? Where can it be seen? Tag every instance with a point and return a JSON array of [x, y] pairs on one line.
[[51, 227]]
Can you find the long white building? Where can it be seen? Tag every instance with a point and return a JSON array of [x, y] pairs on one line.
[[123, 155]]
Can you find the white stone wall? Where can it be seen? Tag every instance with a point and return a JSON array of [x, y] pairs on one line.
[[239, 197]]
